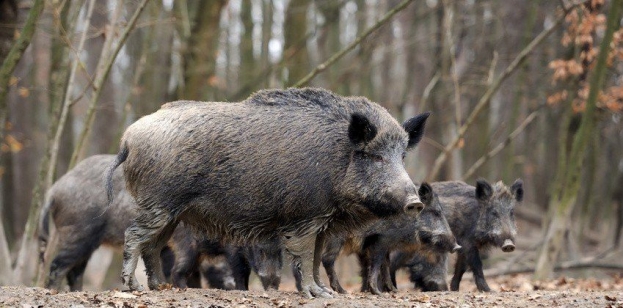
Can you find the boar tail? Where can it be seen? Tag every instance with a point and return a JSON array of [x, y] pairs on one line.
[[121, 157], [44, 227]]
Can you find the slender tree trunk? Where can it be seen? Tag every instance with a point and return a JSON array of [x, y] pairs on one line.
[[62, 18], [201, 51], [8, 66], [105, 114], [12, 58], [564, 202], [295, 27], [248, 68], [267, 23], [8, 16]]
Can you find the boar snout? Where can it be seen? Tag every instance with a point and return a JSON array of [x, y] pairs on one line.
[[414, 206], [508, 246]]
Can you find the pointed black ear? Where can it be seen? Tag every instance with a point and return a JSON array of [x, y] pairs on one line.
[[426, 194], [517, 190], [483, 190], [360, 129], [415, 128]]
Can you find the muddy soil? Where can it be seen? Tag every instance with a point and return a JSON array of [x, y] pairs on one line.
[[512, 291]]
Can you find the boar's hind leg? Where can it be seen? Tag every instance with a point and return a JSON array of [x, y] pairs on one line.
[[73, 255], [151, 255], [302, 250], [146, 236], [131, 253]]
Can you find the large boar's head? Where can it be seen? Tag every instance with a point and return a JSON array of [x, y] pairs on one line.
[[376, 169]]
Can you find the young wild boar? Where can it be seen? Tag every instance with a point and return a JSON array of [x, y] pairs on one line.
[[264, 258], [429, 234], [480, 217], [294, 164], [78, 205], [428, 272]]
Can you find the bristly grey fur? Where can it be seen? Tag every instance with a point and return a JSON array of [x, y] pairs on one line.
[[282, 163]]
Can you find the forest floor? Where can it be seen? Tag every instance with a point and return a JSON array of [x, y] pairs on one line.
[[511, 291]]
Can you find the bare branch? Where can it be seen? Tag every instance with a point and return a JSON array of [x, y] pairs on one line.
[[33, 215], [100, 79], [589, 262], [486, 98], [500, 146], [323, 66], [67, 101], [428, 89], [13, 57]]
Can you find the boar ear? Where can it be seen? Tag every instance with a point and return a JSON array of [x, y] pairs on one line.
[[426, 193], [360, 129], [517, 190], [483, 190], [415, 128]]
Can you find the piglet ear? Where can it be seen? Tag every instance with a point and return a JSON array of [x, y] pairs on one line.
[[426, 193], [361, 130], [415, 128], [484, 191], [517, 190]]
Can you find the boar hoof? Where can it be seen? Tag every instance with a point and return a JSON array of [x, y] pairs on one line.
[[375, 291], [316, 291], [132, 284]]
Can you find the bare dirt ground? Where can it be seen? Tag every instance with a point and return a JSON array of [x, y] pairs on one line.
[[512, 291]]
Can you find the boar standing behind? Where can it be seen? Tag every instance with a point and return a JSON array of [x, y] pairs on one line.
[[294, 164], [428, 272], [264, 258], [481, 217], [78, 205]]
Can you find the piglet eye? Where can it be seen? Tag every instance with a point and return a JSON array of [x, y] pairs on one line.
[[377, 158]]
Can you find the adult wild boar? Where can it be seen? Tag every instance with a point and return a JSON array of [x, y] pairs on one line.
[[293, 163], [77, 204]]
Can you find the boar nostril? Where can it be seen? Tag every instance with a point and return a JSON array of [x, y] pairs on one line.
[[508, 246], [414, 207], [456, 248]]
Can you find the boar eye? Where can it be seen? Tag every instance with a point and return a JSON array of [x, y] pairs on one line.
[[404, 154], [364, 155]]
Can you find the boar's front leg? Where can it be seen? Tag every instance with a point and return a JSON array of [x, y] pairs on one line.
[[331, 253], [475, 262], [302, 250]]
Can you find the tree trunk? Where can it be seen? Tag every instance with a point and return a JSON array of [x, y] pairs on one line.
[[295, 28], [201, 51], [12, 58], [563, 203], [105, 116], [9, 62]]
